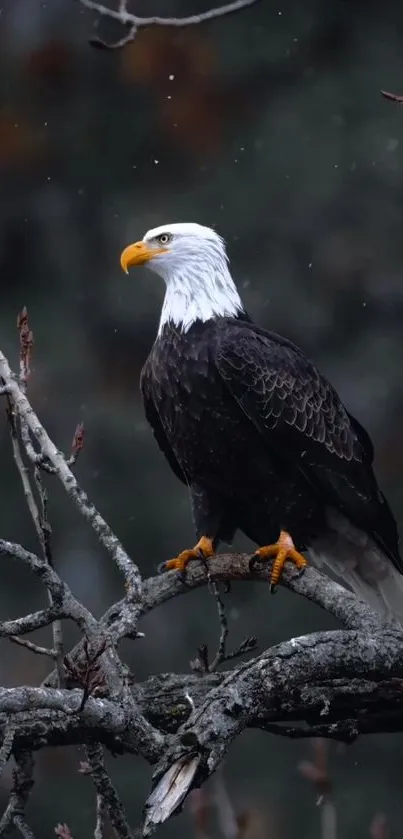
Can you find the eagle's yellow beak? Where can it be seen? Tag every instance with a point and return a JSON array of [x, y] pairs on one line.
[[138, 254]]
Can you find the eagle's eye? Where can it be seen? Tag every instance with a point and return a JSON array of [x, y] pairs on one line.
[[164, 238]]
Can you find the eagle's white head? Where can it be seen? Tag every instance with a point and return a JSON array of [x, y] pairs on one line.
[[193, 262]]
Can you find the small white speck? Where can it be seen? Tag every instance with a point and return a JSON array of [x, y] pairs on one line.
[[134, 166], [335, 165], [175, 124], [364, 303], [279, 13], [241, 148], [45, 124], [16, 125], [236, 160], [169, 97], [48, 178], [171, 77], [156, 162], [310, 265]]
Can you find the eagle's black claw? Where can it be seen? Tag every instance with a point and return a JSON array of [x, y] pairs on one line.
[[273, 588], [162, 568]]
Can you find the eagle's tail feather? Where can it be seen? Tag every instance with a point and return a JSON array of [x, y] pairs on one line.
[[360, 564]]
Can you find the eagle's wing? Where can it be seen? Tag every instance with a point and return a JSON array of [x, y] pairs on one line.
[[302, 421], [152, 416]]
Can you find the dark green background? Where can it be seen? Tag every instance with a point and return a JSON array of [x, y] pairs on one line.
[[273, 130]]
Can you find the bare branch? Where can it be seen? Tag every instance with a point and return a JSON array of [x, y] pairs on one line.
[[395, 97], [99, 832], [107, 792], [45, 536], [6, 747], [40, 521], [221, 652], [34, 648], [37, 620], [202, 742], [63, 597], [26, 344], [75, 493], [123, 16], [23, 782], [335, 684]]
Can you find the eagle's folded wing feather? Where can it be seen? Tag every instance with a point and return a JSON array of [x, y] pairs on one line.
[[301, 419]]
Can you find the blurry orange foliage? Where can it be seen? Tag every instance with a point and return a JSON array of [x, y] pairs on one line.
[[181, 69]]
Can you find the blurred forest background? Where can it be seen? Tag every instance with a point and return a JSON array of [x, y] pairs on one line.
[[269, 125]]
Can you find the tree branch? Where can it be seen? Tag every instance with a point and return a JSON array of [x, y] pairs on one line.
[[105, 535], [135, 22], [335, 684], [107, 793], [123, 16]]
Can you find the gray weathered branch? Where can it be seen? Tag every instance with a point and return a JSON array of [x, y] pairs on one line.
[[335, 684]]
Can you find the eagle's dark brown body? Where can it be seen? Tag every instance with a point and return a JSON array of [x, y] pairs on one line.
[[260, 437]]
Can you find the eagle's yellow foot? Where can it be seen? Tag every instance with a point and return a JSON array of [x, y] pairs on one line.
[[203, 550], [283, 550]]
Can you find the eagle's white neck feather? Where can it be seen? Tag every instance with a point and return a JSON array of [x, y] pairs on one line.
[[199, 286]]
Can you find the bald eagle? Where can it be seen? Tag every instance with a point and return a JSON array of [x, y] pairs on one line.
[[259, 436]]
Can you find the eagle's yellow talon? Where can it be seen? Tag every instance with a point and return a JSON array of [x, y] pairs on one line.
[[282, 550], [203, 550]]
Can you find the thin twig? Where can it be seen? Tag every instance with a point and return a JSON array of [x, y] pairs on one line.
[[34, 648], [135, 22], [107, 792], [100, 816], [46, 544], [105, 535], [36, 620], [23, 782], [41, 524], [26, 344], [6, 747], [202, 664], [125, 17], [395, 97], [66, 604], [23, 827], [220, 654]]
